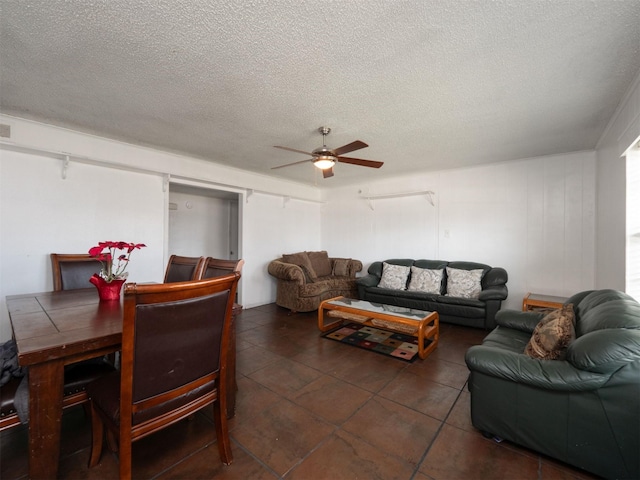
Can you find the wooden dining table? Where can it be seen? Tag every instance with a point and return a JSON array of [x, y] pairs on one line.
[[54, 329]]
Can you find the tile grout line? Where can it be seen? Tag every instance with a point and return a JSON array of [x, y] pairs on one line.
[[435, 437]]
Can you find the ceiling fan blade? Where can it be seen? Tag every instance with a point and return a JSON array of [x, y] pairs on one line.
[[357, 145], [294, 150], [361, 162], [327, 172], [294, 163]]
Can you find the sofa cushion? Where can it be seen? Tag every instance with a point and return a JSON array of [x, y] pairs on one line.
[[462, 301], [505, 338], [464, 283], [430, 297], [397, 293], [394, 276], [341, 267], [425, 280], [320, 263], [334, 285], [552, 335], [302, 260]]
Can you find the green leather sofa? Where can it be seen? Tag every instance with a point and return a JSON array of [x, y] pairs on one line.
[[583, 410], [471, 312]]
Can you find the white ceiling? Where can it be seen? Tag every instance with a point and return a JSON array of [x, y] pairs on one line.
[[428, 84]]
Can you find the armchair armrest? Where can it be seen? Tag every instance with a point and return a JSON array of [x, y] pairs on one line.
[[523, 321], [558, 375], [286, 271], [345, 266], [355, 266]]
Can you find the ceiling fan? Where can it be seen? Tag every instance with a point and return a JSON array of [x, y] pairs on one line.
[[325, 158]]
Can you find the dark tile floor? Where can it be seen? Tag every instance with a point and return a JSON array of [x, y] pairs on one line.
[[311, 408]]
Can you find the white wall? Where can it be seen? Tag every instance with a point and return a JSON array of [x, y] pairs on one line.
[[273, 226], [533, 217], [622, 131], [41, 213], [199, 226]]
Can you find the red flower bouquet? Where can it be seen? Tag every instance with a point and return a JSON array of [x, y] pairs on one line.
[[113, 265]]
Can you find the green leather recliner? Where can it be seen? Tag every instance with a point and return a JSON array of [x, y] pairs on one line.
[[583, 410]]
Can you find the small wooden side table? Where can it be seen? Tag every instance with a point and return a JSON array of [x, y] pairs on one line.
[[537, 301]]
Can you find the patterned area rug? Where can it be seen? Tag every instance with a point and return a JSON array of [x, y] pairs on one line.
[[397, 345]]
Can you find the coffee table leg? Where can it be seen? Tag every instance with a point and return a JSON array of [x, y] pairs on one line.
[[322, 326], [46, 382]]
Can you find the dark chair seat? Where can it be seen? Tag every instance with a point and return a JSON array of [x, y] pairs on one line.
[[7, 397], [78, 375], [76, 378]]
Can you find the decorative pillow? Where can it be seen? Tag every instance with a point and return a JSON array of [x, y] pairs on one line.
[[320, 263], [464, 283], [341, 267], [552, 335], [302, 260], [425, 280], [394, 276]]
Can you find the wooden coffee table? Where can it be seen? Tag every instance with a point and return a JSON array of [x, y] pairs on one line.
[[419, 323]]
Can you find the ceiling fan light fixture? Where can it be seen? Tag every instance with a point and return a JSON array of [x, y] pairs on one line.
[[323, 162]]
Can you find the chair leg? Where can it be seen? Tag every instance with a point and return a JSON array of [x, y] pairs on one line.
[[97, 434], [112, 443], [222, 433], [125, 456]]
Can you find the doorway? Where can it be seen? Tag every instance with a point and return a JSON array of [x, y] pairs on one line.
[[203, 222]]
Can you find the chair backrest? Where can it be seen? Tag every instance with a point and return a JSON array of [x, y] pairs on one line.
[[71, 271], [216, 267], [175, 341], [183, 269]]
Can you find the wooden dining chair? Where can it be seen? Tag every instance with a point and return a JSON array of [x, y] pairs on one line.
[[215, 267], [175, 340], [183, 269], [73, 270]]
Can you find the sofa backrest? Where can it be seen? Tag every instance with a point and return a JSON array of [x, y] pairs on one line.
[[431, 264], [602, 309], [376, 267], [607, 331]]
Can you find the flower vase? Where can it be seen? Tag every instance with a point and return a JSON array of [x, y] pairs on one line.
[[107, 291]]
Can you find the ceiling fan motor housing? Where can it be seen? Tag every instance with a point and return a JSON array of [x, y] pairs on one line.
[[324, 151]]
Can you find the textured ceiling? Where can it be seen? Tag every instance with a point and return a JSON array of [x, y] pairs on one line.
[[428, 84]]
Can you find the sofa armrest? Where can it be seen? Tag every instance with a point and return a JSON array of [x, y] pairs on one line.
[[523, 321], [286, 271], [364, 282], [496, 292], [496, 276], [558, 375], [368, 280]]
